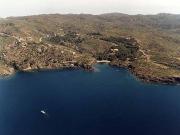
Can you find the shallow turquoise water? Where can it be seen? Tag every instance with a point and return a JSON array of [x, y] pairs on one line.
[[109, 101]]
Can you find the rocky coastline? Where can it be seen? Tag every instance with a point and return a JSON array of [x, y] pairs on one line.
[[169, 80], [9, 71]]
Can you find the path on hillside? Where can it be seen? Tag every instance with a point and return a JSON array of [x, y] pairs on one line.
[[148, 58]]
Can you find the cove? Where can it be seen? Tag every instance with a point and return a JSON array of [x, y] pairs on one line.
[[110, 101]]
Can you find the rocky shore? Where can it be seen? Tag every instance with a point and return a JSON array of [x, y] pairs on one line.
[[8, 71], [169, 80], [158, 80]]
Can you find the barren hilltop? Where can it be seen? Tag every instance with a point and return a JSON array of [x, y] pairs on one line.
[[148, 45]]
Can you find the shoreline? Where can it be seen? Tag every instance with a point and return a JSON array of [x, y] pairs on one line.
[[152, 80], [145, 79]]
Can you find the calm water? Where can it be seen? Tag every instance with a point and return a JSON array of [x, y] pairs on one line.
[[107, 102]]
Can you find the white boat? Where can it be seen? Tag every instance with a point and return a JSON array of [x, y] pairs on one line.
[[43, 112]]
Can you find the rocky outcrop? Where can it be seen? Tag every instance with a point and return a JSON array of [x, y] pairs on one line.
[[160, 80], [6, 71]]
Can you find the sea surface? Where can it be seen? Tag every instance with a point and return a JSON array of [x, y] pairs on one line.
[[109, 101]]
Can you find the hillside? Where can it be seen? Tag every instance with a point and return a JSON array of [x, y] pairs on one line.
[[148, 45]]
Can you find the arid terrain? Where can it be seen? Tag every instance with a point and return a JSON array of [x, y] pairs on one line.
[[147, 45]]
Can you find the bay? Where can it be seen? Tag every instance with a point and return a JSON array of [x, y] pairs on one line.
[[109, 101]]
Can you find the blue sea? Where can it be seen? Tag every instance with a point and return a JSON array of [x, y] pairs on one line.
[[109, 101]]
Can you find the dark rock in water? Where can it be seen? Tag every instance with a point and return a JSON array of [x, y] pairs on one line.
[[160, 80], [177, 79]]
